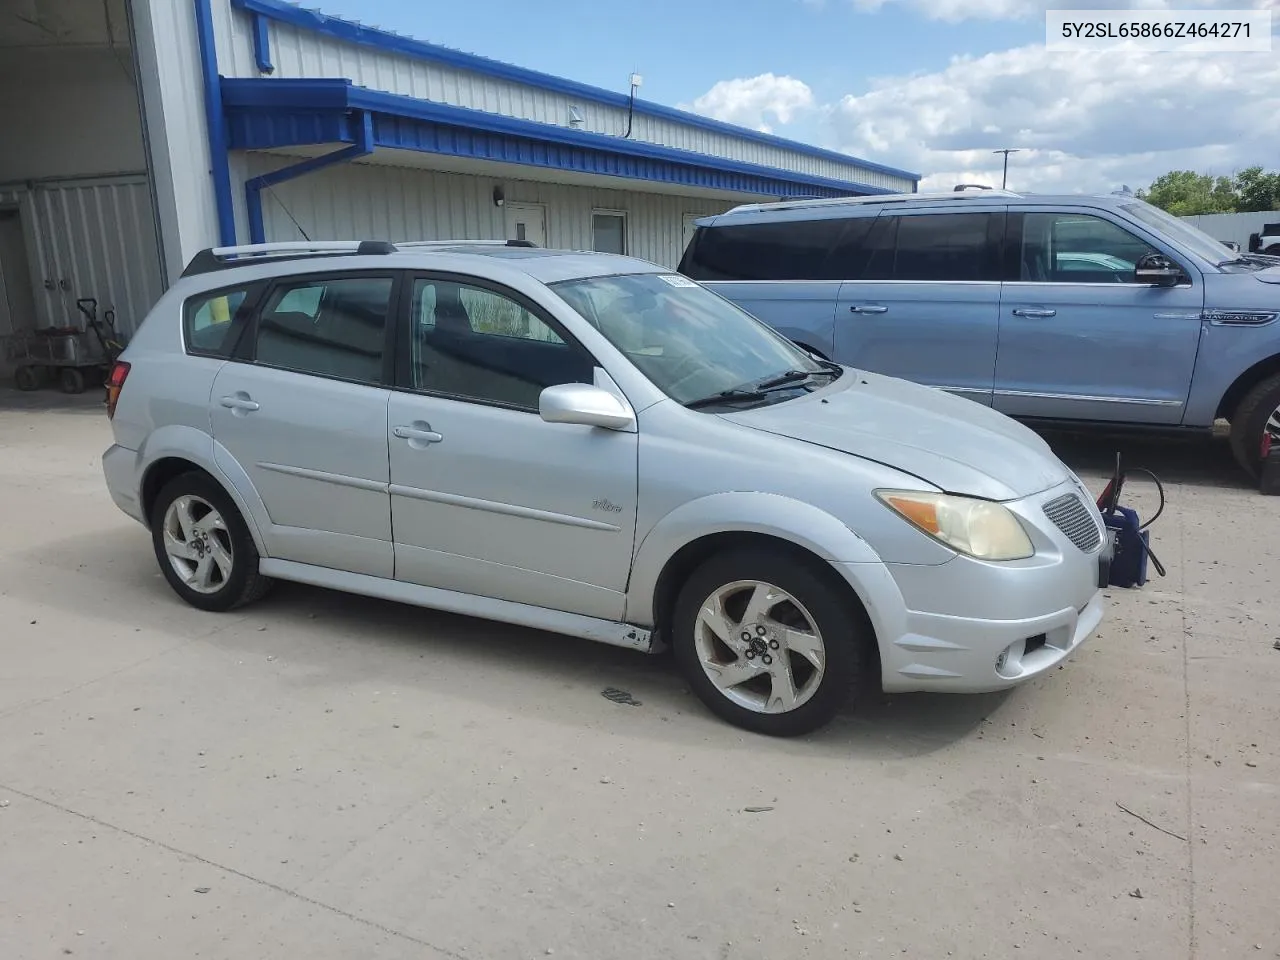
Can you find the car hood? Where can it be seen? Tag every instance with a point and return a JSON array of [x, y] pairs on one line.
[[957, 445]]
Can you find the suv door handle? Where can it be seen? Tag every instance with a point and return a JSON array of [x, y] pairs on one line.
[[239, 402], [868, 308], [1034, 314], [419, 432]]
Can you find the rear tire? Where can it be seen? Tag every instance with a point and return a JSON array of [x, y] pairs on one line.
[[741, 619], [203, 545], [1257, 414]]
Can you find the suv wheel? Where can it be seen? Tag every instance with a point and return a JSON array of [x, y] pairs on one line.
[[767, 642], [203, 546], [1257, 416]]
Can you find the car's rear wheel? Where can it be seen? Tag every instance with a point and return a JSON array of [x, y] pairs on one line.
[[1256, 424], [768, 641], [203, 545]]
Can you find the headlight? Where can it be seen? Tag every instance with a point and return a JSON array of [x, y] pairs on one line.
[[979, 528]]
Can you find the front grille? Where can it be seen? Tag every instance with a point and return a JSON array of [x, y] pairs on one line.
[[1072, 517]]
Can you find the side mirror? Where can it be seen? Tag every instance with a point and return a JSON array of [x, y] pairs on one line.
[[584, 404], [1156, 268], [1231, 245]]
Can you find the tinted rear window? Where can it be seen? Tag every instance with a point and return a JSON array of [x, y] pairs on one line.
[[935, 247], [778, 250]]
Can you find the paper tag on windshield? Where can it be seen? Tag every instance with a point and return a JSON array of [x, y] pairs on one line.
[[676, 280]]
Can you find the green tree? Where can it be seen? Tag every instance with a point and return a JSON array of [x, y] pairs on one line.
[[1185, 193], [1258, 189]]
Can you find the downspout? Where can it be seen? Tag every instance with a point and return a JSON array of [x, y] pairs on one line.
[[215, 121], [253, 188]]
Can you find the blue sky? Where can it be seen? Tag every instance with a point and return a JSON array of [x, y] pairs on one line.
[[927, 85]]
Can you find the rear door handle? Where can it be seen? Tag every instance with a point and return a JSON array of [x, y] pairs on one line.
[[417, 432], [1034, 314], [868, 308], [240, 401]]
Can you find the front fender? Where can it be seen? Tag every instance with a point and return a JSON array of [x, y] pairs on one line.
[[188, 443], [770, 514]]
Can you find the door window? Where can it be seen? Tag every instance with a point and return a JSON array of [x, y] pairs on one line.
[[332, 327], [935, 247], [1077, 248], [474, 343]]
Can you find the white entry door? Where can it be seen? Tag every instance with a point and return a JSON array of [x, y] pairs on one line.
[[527, 221]]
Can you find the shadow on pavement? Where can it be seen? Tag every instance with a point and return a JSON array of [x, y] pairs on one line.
[[50, 398], [1198, 459]]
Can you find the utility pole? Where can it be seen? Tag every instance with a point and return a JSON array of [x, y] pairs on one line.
[[1004, 181]]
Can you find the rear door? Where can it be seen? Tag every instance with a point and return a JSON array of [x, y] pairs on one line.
[[302, 410], [1079, 339], [925, 304]]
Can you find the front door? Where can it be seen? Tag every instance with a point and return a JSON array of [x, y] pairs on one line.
[[527, 221], [302, 410], [926, 306], [1079, 339], [486, 497]]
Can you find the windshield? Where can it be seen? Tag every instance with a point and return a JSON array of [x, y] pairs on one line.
[[1193, 238], [689, 341]]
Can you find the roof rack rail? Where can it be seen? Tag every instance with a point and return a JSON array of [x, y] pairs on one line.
[[222, 258], [880, 198]]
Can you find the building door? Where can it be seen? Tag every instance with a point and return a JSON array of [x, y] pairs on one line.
[[527, 221], [17, 304]]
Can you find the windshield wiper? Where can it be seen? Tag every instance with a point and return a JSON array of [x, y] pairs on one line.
[[725, 396], [758, 391], [789, 377]]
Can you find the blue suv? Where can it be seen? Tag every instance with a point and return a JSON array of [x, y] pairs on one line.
[[1082, 309]]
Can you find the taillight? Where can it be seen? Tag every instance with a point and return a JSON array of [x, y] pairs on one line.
[[115, 381]]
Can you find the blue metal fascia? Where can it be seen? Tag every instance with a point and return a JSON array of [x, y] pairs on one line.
[[363, 146], [220, 167], [262, 43], [348, 32], [265, 113]]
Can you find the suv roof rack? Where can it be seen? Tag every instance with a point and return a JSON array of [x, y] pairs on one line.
[[222, 258], [871, 200]]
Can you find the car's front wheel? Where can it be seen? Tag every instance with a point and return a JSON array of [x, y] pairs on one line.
[[768, 641], [203, 545], [1255, 425]]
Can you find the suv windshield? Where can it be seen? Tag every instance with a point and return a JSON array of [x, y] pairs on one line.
[[1193, 238], [690, 342]]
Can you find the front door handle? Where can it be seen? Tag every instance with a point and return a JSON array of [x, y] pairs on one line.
[[239, 402], [1034, 314], [418, 433], [868, 308]]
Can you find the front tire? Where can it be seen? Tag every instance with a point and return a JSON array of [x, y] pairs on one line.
[[768, 641], [203, 545], [1257, 416]]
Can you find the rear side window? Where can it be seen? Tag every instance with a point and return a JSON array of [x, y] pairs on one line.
[[329, 327], [211, 320], [935, 247], [775, 250]]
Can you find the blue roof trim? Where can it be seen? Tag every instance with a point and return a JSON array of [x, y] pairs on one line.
[[349, 32], [266, 113]]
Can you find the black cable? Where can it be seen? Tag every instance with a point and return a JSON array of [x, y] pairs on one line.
[[1159, 488], [288, 213]]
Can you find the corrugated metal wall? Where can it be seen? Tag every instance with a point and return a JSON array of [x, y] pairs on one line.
[[361, 201], [90, 238], [1234, 226], [300, 53]]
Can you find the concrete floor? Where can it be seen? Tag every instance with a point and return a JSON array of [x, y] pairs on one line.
[[327, 776]]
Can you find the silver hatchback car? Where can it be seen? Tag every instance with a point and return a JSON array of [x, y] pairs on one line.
[[593, 445]]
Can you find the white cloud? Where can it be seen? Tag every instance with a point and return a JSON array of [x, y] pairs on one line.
[[956, 10], [1084, 121], [751, 101]]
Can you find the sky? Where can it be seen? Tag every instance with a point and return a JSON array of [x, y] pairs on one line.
[[930, 86]]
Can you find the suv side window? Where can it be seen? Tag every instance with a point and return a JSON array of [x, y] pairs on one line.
[[474, 343], [211, 321], [1077, 248], [935, 247], [771, 250], [331, 327]]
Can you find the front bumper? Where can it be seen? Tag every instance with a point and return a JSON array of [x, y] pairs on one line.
[[970, 626]]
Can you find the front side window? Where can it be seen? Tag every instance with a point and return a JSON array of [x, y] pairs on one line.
[[209, 321], [688, 341], [326, 327], [474, 343], [1078, 248]]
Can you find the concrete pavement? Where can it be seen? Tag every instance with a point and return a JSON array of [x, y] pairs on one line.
[[321, 775]]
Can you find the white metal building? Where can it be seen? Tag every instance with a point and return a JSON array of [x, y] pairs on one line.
[[137, 132]]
